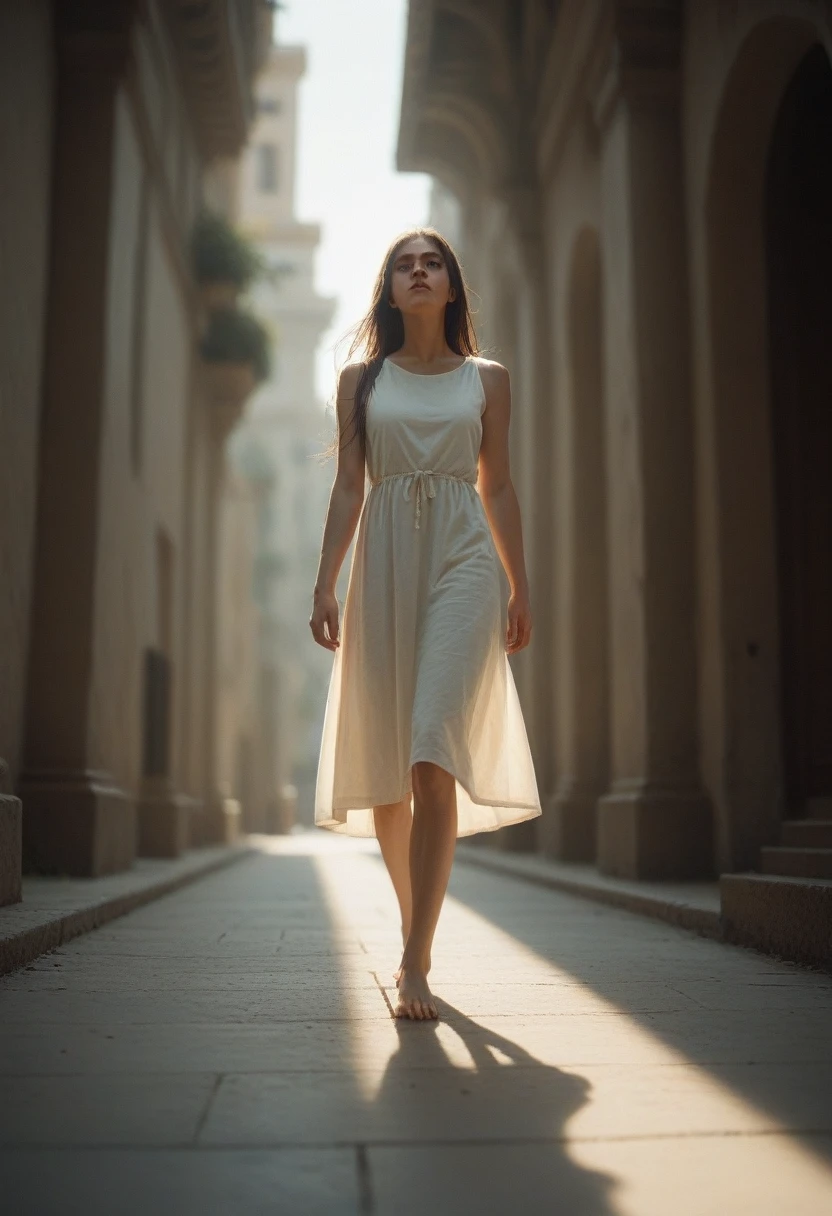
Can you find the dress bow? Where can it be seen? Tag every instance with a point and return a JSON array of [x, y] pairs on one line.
[[423, 480]]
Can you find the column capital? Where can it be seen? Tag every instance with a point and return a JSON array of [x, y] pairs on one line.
[[641, 61]]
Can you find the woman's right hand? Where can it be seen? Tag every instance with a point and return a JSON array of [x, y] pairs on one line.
[[325, 613]]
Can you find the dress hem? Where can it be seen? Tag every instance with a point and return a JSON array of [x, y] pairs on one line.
[[531, 810], [341, 825]]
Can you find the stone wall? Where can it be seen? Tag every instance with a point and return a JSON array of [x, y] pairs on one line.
[[25, 140]]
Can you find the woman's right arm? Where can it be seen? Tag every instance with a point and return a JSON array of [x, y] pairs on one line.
[[345, 503]]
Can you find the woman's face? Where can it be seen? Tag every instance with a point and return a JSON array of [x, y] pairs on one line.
[[420, 278]]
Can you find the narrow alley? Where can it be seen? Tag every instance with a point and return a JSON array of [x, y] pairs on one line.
[[230, 1049]]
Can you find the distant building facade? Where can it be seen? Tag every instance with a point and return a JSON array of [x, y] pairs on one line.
[[645, 191], [285, 426], [111, 116]]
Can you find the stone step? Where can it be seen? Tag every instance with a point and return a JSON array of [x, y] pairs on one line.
[[807, 833], [790, 917], [796, 862], [819, 807]]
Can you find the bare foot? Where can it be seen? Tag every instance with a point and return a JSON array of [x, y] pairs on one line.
[[397, 974], [415, 997]]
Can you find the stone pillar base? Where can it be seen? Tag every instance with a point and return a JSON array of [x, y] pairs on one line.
[[77, 823], [221, 822], [163, 820], [655, 832], [284, 810], [517, 837], [568, 831], [194, 811], [271, 817], [11, 848]]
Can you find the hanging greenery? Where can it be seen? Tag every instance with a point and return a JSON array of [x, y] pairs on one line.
[[237, 336], [219, 254]]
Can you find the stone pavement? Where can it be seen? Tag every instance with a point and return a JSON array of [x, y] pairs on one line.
[[229, 1051]]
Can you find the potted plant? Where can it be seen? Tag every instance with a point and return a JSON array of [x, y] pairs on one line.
[[235, 351], [224, 263]]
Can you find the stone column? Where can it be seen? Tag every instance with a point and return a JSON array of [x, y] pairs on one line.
[[581, 612], [226, 389], [655, 821], [532, 477], [77, 820]]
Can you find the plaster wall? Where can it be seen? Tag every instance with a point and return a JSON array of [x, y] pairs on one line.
[[121, 594], [141, 494], [25, 153]]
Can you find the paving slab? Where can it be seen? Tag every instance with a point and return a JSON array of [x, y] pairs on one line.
[[126, 1108], [699, 1176], [321, 1182], [55, 909], [293, 1046], [184, 1006], [230, 1049]]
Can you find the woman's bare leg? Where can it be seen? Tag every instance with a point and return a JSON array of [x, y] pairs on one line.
[[432, 844], [393, 823]]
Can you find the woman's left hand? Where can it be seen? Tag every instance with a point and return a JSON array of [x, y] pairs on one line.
[[519, 624]]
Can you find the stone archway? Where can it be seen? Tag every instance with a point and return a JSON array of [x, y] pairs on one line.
[[799, 257], [739, 627], [584, 763]]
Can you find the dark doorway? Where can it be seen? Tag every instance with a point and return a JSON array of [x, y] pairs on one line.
[[799, 235]]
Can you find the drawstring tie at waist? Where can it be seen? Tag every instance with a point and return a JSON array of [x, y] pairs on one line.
[[422, 479]]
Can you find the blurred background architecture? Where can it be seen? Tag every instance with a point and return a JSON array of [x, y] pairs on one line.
[[113, 119], [641, 192], [644, 192], [275, 449]]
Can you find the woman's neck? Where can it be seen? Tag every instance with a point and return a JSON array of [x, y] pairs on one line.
[[424, 340]]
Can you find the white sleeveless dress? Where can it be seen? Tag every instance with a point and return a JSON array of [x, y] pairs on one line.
[[422, 672]]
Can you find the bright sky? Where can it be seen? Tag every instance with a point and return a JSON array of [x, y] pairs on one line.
[[348, 125]]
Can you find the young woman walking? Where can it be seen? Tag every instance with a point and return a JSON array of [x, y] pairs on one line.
[[423, 738]]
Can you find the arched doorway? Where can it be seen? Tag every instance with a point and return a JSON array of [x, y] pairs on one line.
[[741, 724], [799, 263]]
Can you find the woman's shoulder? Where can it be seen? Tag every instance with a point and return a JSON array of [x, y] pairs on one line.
[[492, 372], [348, 377]]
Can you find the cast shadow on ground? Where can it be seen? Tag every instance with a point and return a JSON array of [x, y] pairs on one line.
[[502, 1119], [758, 1027]]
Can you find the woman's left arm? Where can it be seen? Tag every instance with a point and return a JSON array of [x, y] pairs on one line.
[[500, 500]]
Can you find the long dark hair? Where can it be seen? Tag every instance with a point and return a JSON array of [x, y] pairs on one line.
[[381, 331]]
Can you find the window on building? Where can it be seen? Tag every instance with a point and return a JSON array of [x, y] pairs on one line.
[[269, 105], [267, 168]]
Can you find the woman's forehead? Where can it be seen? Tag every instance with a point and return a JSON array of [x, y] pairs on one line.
[[416, 246]]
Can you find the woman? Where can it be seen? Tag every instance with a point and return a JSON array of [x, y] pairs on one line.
[[422, 703]]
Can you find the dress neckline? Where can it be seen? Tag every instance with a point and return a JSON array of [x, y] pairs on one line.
[[428, 375]]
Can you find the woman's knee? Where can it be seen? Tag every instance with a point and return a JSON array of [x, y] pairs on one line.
[[431, 780]]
